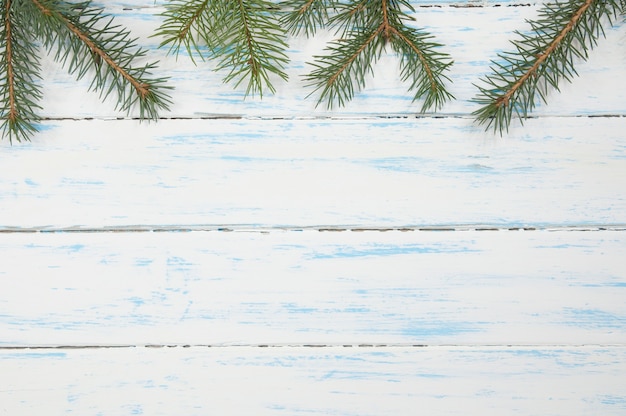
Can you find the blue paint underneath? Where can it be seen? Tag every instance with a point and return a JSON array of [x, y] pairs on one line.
[[595, 319], [389, 250], [33, 355], [614, 400], [74, 248], [420, 330], [604, 284]]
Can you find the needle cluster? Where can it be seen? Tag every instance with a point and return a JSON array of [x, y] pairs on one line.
[[87, 43], [244, 37], [366, 28], [563, 34], [248, 38]]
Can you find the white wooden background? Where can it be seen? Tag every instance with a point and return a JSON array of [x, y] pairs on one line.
[[267, 257]]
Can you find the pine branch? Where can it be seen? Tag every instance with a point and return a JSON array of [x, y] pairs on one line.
[[563, 33], [418, 53], [246, 37], [343, 70], [184, 21], [19, 73], [78, 31], [358, 13], [307, 16], [86, 42], [253, 44]]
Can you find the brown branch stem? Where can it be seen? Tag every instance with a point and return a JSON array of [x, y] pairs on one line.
[[246, 28], [388, 30], [385, 23], [142, 89], [420, 54], [306, 6], [194, 17], [336, 75], [12, 115], [543, 56]]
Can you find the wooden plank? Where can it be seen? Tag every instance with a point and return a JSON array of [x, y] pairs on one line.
[[368, 301], [312, 287], [307, 381], [368, 173], [472, 35]]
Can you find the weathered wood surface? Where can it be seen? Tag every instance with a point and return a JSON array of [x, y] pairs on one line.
[[297, 173], [312, 287], [270, 257], [310, 381]]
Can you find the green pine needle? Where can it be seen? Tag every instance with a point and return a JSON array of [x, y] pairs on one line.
[[417, 51], [19, 75], [342, 72], [563, 34], [87, 43], [77, 31], [184, 22], [246, 38], [366, 28], [253, 44], [307, 16]]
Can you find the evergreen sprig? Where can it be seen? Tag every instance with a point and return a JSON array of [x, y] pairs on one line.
[[85, 41], [184, 23], [248, 38], [244, 36], [19, 74], [307, 16], [366, 27], [563, 34]]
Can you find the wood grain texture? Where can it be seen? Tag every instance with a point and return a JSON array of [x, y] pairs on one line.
[[305, 381], [271, 257], [371, 173], [312, 287]]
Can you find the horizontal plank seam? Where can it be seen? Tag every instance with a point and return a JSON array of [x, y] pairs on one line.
[[454, 5], [308, 345], [363, 117], [319, 228]]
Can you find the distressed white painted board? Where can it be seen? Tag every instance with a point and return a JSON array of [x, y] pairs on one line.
[[371, 173], [308, 381], [515, 321], [472, 36], [311, 287]]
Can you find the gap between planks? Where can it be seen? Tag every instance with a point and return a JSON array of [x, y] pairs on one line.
[[216, 116], [319, 228], [465, 5], [315, 346]]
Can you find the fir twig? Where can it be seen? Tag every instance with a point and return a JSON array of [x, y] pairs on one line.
[[245, 36], [86, 42], [253, 43], [417, 51], [184, 21], [307, 16], [366, 27], [343, 70], [19, 73], [563, 33], [78, 30]]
